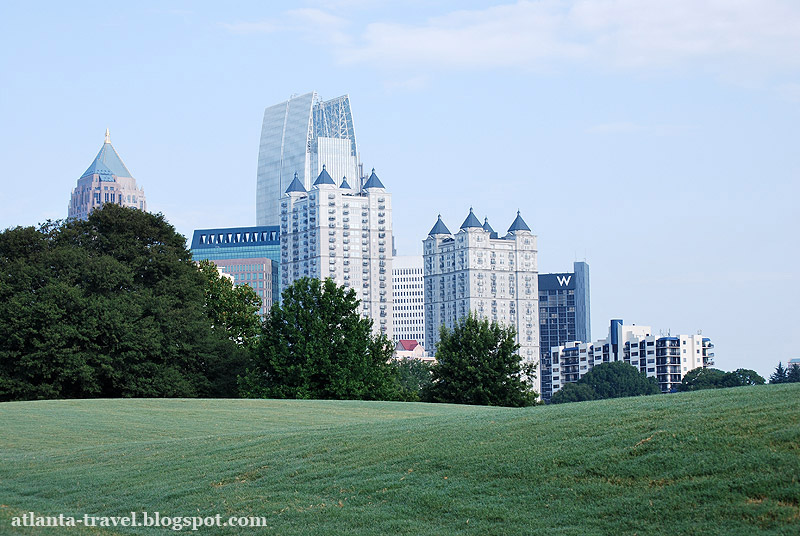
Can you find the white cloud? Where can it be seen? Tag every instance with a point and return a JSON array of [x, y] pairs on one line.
[[719, 34]]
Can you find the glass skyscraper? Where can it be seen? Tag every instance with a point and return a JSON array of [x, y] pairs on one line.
[[299, 136], [564, 316]]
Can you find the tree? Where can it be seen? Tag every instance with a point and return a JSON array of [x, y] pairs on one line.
[[315, 344], [477, 363], [780, 375], [414, 379], [743, 377], [233, 310], [608, 380], [709, 378], [573, 392], [793, 374], [105, 307], [703, 378]]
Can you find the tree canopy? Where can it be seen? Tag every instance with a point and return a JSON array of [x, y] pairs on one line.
[[710, 378], [105, 307], [607, 380], [790, 374], [315, 344], [477, 363]]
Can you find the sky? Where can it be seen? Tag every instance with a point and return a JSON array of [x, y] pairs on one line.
[[656, 140]]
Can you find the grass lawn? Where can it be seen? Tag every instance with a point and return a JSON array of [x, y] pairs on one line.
[[711, 462]]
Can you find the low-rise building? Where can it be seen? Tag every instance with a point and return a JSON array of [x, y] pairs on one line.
[[666, 358]]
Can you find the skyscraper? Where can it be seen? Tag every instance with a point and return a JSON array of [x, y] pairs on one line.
[[342, 233], [475, 271], [564, 316], [106, 180], [300, 136]]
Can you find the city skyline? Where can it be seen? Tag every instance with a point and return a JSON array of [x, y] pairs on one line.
[[656, 140]]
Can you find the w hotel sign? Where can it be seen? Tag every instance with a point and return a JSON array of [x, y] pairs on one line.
[[556, 281]]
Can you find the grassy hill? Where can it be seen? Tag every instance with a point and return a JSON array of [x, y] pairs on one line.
[[712, 462]]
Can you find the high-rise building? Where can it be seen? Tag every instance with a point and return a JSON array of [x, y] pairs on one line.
[[666, 358], [564, 316], [476, 271], [106, 180], [299, 136], [334, 231], [409, 299], [250, 255]]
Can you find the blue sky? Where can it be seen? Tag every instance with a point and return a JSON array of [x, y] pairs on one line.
[[658, 140]]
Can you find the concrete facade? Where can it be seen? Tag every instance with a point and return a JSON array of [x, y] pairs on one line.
[[409, 298], [476, 271], [666, 358], [333, 231]]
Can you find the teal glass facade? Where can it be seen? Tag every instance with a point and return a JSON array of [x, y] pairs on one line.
[[250, 255]]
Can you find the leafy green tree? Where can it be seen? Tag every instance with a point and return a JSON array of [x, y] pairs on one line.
[[477, 363], [573, 392], [232, 309], [106, 307], [780, 375], [315, 344], [709, 378], [413, 377], [704, 378], [741, 377], [793, 374], [607, 380]]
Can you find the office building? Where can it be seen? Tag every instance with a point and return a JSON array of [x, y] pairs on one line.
[[250, 255], [564, 315], [409, 299], [106, 180], [338, 232], [666, 358], [475, 270], [300, 136]]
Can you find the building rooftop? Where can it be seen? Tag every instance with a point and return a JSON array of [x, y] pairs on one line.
[[296, 185], [471, 221], [439, 228], [373, 181], [324, 178], [107, 162], [518, 224]]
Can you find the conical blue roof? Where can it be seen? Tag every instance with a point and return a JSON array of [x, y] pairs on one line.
[[486, 226], [471, 221], [324, 178], [439, 228], [519, 224], [344, 183], [296, 185], [373, 181], [107, 162]]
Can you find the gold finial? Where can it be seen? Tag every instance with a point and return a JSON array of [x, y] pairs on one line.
[[108, 137]]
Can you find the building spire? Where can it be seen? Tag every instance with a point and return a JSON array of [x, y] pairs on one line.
[[108, 136]]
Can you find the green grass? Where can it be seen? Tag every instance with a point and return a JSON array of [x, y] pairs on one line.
[[712, 462]]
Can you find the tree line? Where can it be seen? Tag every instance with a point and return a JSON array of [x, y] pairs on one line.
[[114, 306]]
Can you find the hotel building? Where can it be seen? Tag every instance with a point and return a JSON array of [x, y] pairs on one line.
[[475, 270], [338, 232]]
